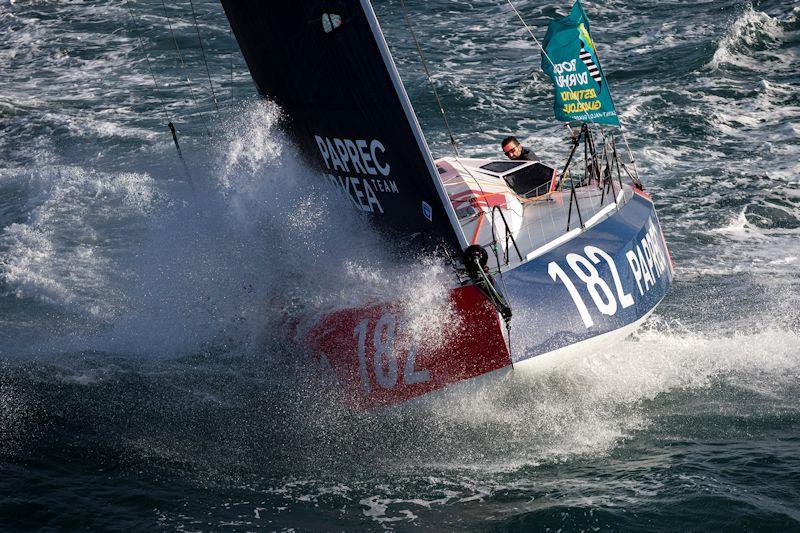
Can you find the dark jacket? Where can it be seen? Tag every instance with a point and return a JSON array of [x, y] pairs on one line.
[[527, 155]]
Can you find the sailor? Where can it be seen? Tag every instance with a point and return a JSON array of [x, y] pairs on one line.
[[514, 150]]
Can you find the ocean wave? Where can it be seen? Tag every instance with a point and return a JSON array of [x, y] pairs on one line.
[[588, 405], [522, 435], [754, 37], [64, 252]]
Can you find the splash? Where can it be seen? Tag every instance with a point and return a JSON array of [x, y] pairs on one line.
[[166, 271], [528, 431], [60, 253]]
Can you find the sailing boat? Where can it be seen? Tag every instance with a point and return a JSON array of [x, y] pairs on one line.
[[571, 262]]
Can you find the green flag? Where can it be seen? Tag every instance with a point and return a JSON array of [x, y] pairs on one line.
[[581, 89]]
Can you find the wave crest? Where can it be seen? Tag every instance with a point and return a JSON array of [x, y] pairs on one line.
[[752, 32]]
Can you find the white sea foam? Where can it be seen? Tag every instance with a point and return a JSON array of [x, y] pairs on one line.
[[752, 30], [61, 253], [585, 409], [590, 405]]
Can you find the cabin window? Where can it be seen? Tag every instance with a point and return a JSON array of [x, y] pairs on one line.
[[530, 181]]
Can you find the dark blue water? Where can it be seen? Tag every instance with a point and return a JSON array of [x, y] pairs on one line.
[[145, 379]]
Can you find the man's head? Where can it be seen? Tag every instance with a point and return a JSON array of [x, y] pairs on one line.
[[511, 147]]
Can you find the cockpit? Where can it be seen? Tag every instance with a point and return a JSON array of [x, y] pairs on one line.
[[519, 205]]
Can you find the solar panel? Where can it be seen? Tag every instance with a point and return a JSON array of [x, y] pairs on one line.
[[502, 166]]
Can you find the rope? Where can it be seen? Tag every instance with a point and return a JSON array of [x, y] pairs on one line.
[[428, 75], [185, 69], [180, 155], [203, 52], [147, 59], [170, 125]]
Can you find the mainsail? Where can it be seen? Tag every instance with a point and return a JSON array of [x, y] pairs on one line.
[[326, 63]]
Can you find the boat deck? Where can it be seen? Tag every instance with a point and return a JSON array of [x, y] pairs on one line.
[[486, 205]]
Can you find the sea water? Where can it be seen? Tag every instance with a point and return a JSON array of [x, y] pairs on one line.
[[146, 379]]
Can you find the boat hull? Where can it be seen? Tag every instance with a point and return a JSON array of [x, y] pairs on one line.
[[604, 278], [595, 286], [376, 359]]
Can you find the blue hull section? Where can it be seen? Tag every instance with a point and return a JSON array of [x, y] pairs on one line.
[[602, 279]]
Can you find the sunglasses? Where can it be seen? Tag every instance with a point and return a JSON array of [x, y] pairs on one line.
[[508, 152]]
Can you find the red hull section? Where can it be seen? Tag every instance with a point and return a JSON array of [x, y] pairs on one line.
[[377, 362]]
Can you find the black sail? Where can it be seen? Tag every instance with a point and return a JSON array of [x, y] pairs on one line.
[[327, 65]]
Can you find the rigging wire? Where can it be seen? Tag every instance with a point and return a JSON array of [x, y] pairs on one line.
[[233, 38], [147, 60], [428, 75], [185, 68], [455, 146], [436, 95], [438, 100], [203, 52], [505, 293], [170, 125]]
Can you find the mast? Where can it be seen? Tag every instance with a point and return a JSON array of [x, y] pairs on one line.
[[412, 119]]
